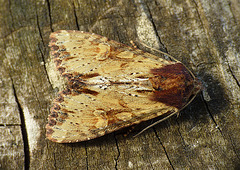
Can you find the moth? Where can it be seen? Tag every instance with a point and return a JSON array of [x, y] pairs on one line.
[[107, 85]]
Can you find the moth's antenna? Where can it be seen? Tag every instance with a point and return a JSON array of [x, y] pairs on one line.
[[187, 70], [155, 123], [168, 56]]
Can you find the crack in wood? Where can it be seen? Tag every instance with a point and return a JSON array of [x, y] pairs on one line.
[[117, 158], [23, 129], [165, 151]]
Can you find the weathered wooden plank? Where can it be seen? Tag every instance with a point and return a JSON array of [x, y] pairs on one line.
[[204, 35]]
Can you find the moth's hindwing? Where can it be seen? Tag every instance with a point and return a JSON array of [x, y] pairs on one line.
[[109, 86]]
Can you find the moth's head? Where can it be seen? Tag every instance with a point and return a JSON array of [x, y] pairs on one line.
[[197, 86], [174, 85]]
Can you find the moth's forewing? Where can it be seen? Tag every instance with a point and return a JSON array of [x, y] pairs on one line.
[[109, 86]]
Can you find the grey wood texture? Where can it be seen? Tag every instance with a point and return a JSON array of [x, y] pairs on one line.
[[202, 34]]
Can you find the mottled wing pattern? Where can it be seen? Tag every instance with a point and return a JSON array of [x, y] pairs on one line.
[[110, 86]]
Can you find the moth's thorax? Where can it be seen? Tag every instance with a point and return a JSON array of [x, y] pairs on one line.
[[173, 85]]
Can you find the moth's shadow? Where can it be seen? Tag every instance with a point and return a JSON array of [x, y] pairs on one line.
[[211, 100]]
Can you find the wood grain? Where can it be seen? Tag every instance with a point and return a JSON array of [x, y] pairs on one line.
[[204, 35]]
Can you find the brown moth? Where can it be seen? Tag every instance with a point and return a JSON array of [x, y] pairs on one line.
[[108, 86]]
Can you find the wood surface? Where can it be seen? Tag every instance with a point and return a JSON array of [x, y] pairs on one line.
[[202, 34]]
